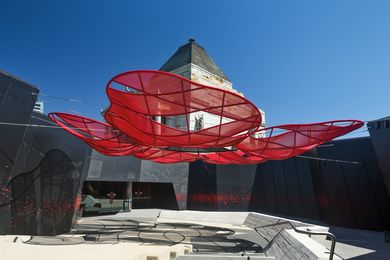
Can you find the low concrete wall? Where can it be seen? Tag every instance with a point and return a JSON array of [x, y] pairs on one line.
[[234, 218], [288, 244], [254, 220], [16, 248], [225, 257], [292, 245]]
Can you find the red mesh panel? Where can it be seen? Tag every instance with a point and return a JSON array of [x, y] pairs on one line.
[[156, 93], [164, 156], [100, 136], [133, 126], [295, 139]]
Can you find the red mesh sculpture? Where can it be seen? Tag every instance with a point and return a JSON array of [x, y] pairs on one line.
[[150, 117]]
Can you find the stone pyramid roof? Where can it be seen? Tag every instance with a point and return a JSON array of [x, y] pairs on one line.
[[195, 54]]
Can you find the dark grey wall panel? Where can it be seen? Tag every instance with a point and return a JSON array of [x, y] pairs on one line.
[[131, 169], [340, 193], [50, 168], [356, 193], [41, 170], [202, 186], [292, 186], [284, 187], [17, 100], [177, 174], [279, 181], [309, 203], [113, 168], [269, 188], [380, 137], [234, 186]]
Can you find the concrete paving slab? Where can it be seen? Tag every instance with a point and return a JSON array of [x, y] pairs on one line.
[[135, 234]]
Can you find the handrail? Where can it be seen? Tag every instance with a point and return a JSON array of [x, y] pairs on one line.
[[307, 232]]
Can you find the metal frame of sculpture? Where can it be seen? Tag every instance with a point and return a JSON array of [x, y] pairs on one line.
[[139, 99]]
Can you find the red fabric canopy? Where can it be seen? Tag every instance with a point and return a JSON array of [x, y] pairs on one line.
[[141, 100], [145, 95]]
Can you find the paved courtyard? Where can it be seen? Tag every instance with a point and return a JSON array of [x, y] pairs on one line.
[[154, 233]]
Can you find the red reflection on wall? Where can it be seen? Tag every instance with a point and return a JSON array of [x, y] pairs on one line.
[[225, 199]]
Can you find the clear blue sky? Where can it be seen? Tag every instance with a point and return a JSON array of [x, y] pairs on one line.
[[300, 61]]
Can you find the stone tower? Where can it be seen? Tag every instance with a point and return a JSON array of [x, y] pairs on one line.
[[191, 61]]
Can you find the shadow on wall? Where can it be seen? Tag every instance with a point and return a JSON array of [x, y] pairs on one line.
[[43, 200]]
